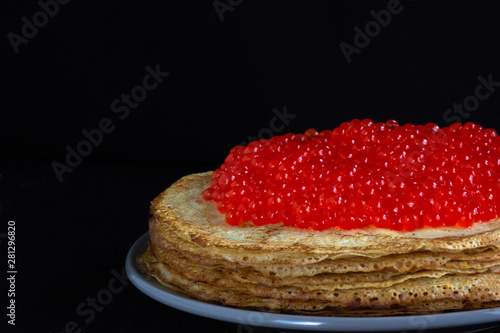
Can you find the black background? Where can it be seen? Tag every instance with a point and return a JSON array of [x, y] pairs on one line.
[[227, 72]]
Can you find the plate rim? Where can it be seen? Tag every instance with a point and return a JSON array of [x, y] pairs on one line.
[[185, 303]]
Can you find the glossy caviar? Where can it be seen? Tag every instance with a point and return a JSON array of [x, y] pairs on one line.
[[363, 174]]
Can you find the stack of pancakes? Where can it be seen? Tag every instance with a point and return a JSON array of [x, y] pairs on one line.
[[366, 272]]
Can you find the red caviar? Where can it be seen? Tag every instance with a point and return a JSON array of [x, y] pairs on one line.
[[363, 174]]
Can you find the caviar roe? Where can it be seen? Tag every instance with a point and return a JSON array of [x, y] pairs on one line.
[[363, 174]]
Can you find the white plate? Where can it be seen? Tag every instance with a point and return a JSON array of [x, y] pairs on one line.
[[155, 290]]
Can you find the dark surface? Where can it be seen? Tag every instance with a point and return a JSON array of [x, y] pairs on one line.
[[225, 79]]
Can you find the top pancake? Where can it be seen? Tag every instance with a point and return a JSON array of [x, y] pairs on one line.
[[181, 212]]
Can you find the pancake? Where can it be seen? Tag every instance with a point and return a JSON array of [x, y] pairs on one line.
[[397, 262], [422, 296], [198, 222], [363, 272], [234, 277]]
